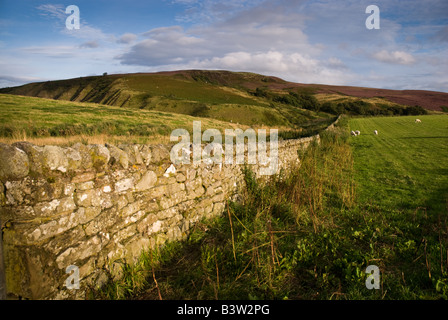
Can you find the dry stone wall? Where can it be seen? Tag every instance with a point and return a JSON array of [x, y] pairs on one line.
[[94, 205]]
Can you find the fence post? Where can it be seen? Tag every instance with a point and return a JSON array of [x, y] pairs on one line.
[[2, 268]]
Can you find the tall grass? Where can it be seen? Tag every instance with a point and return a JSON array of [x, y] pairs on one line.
[[301, 235]]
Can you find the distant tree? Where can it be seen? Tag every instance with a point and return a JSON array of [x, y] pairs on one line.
[[415, 110], [104, 74]]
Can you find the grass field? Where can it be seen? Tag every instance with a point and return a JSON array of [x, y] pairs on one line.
[[45, 121], [159, 85], [312, 232], [406, 165]]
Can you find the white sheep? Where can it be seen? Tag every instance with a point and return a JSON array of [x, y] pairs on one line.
[[353, 133], [418, 121], [375, 132], [358, 132]]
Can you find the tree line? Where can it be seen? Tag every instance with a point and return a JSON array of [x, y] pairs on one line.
[[307, 100]]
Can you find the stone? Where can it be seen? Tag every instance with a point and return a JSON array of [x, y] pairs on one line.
[[135, 247], [191, 174], [134, 218], [54, 158], [145, 225], [74, 158], [218, 197], [175, 187], [14, 163], [179, 197], [35, 155], [198, 192], [193, 185], [173, 200], [137, 155], [218, 208], [88, 198], [85, 185], [130, 209], [66, 205], [180, 177], [132, 153], [156, 227], [166, 214], [106, 201], [157, 192], [69, 189], [73, 255], [17, 192], [58, 244], [83, 177], [124, 185], [174, 233], [122, 202], [145, 152], [118, 156], [125, 233], [86, 157], [88, 214], [100, 156], [160, 153], [56, 206], [148, 181], [46, 208]]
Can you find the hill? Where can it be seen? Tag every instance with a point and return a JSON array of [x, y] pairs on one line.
[[47, 121], [240, 97], [219, 96]]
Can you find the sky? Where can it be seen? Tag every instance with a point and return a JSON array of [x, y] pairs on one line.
[[314, 41]]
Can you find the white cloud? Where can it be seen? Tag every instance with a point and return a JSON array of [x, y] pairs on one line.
[[164, 46], [394, 57], [56, 51], [90, 44], [85, 32], [127, 38], [256, 30], [11, 81], [268, 39], [335, 63], [53, 10]]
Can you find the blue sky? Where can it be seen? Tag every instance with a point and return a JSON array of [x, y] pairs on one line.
[[316, 41]]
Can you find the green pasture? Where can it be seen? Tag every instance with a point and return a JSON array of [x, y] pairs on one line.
[[405, 166]]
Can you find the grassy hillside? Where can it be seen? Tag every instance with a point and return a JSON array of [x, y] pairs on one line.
[[237, 97], [219, 95], [46, 121]]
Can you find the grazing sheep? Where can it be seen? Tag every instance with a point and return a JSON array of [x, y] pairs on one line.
[[358, 132], [353, 133], [418, 121], [375, 132]]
